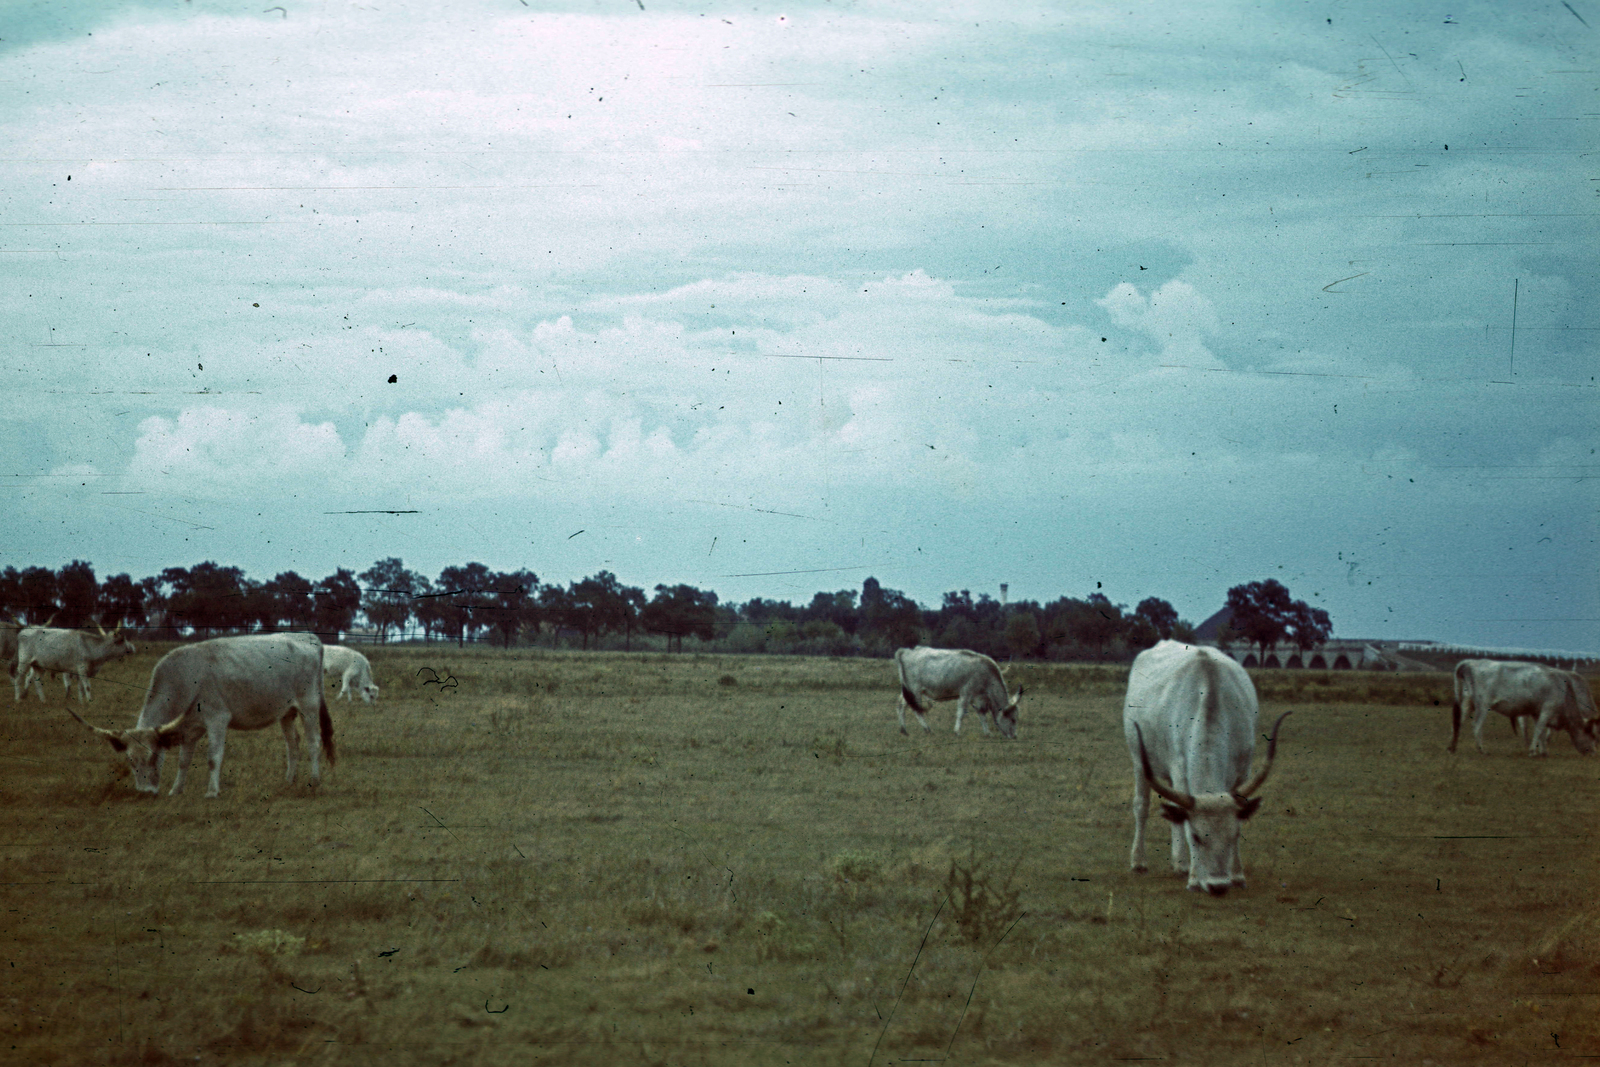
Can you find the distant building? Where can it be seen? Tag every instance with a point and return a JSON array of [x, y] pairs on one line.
[[1337, 653]]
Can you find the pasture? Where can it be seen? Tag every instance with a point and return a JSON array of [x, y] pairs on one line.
[[534, 857]]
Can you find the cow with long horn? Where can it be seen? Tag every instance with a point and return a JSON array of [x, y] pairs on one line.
[[1190, 721], [207, 688], [69, 653]]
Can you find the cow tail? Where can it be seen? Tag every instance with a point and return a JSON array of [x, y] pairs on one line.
[[1455, 723], [326, 721]]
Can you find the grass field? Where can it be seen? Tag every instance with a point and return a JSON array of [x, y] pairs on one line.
[[555, 858]]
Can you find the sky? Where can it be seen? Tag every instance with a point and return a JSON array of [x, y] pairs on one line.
[[1139, 299]]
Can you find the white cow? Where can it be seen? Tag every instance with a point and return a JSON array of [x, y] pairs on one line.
[[1190, 722], [352, 668], [8, 645], [1553, 698], [970, 678], [242, 683], [66, 652]]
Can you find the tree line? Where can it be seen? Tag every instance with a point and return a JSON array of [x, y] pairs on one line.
[[471, 602]]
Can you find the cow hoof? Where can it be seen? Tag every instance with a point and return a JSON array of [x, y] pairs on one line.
[[903, 732], [1138, 868]]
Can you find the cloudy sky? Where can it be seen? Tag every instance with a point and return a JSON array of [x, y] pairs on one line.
[[1151, 299]]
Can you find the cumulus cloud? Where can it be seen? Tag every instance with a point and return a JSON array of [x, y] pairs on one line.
[[1176, 316], [231, 453]]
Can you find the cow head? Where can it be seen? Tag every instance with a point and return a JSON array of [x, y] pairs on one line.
[[144, 747], [1585, 737], [1005, 719], [369, 692], [116, 642], [1211, 822]]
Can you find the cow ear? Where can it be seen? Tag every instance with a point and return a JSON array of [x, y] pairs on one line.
[[117, 743], [1247, 807], [1174, 814]]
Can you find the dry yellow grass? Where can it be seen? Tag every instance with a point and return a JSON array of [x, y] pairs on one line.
[[609, 859]]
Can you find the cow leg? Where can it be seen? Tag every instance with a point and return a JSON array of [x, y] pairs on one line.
[[961, 710], [1538, 745], [1141, 811], [1180, 848], [185, 755], [314, 745], [923, 719], [37, 678], [1479, 717], [1236, 865], [216, 740], [291, 742]]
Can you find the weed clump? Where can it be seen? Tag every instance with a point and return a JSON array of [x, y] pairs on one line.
[[270, 943], [982, 909], [853, 866]]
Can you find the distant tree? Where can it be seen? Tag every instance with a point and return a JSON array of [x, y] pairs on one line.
[[602, 604], [386, 595], [337, 598], [468, 589], [288, 604], [1098, 623], [256, 608], [36, 595], [1153, 620], [838, 608], [427, 607], [1308, 626], [556, 610], [155, 601], [1161, 616], [205, 597], [1022, 633], [1263, 614], [122, 602], [76, 592], [515, 603], [679, 611], [889, 618], [10, 593]]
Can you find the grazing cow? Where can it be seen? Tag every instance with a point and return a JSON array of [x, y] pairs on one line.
[[1190, 723], [1553, 698], [66, 652], [970, 678], [242, 683], [351, 667], [8, 645]]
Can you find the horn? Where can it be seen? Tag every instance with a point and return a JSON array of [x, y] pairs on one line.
[[1183, 800], [1272, 750], [111, 735]]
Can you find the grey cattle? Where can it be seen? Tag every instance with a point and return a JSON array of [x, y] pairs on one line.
[[1190, 722], [239, 683], [70, 653], [1555, 699], [970, 678], [8, 645], [352, 669]]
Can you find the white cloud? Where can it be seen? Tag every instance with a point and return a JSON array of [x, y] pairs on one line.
[[232, 454]]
